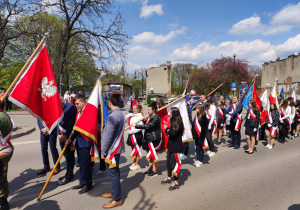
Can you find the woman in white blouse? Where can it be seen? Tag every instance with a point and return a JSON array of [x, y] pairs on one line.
[[285, 124]]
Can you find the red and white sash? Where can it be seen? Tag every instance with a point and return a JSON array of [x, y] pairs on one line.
[[238, 122], [214, 122], [62, 130], [136, 149], [252, 115], [222, 115], [152, 150], [110, 159], [198, 130], [298, 115], [178, 164], [287, 119]]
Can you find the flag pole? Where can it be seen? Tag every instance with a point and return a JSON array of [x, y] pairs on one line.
[[55, 166], [24, 68], [169, 104]]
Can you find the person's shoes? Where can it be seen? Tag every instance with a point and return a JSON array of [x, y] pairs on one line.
[[77, 187], [56, 171], [147, 172], [207, 153], [106, 195], [212, 154], [4, 204], [270, 147], [100, 172], [236, 147], [112, 204], [166, 181], [174, 187], [198, 164], [230, 145], [44, 171], [135, 168], [63, 181], [292, 137], [152, 174], [61, 178], [267, 145], [183, 157], [250, 152], [132, 165], [218, 143], [85, 189]]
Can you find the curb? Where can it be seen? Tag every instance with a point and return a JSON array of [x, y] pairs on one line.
[[23, 133]]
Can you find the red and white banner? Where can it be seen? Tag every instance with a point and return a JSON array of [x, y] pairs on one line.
[[37, 91], [152, 153], [187, 134], [89, 124], [273, 96], [264, 100], [238, 122], [110, 158]]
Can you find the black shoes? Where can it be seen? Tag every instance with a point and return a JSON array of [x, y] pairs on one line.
[[63, 181], [230, 145], [236, 147], [218, 143], [85, 189], [77, 187], [147, 172], [4, 204]]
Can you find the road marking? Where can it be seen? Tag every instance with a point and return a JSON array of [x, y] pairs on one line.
[[25, 142]]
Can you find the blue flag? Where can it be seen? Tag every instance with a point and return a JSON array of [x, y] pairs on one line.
[[282, 93], [187, 98], [247, 98]]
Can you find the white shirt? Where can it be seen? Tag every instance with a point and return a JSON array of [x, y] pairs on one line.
[[134, 118]]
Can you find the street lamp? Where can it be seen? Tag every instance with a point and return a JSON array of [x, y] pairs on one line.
[[233, 86]]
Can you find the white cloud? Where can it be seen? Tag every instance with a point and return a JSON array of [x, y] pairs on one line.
[[149, 10], [290, 46], [255, 51], [283, 21], [138, 51], [150, 37]]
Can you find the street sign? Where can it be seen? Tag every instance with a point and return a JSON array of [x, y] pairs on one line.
[[233, 86]]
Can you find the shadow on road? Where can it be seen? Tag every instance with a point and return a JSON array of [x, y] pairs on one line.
[[294, 207], [48, 204]]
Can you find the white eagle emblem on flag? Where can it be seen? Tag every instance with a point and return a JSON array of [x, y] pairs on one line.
[[48, 89]]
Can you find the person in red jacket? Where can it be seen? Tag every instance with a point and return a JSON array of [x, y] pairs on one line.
[[263, 124]]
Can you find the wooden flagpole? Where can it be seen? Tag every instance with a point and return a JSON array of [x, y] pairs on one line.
[[51, 174], [24, 68], [169, 104]]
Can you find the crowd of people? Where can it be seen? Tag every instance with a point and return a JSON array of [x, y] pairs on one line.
[[146, 134]]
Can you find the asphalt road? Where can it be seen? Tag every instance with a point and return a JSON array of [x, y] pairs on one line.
[[267, 179]]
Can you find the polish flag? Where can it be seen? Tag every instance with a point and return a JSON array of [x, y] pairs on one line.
[[37, 91], [256, 98], [264, 99], [273, 96], [294, 95], [92, 118], [165, 120]]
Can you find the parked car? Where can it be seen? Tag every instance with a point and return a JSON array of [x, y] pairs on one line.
[[169, 100]]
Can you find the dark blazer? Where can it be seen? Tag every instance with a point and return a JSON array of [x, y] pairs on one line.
[[238, 110], [69, 119], [152, 129], [81, 141], [54, 132], [175, 144], [220, 119], [204, 127], [251, 122]]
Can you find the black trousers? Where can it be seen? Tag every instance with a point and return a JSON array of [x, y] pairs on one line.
[[171, 163], [102, 166], [70, 160], [8, 105], [262, 132], [186, 147], [235, 135], [209, 139], [86, 168], [293, 128]]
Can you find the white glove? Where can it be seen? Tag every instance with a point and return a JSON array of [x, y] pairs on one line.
[[269, 125], [130, 132], [254, 129], [209, 127], [281, 120], [222, 125]]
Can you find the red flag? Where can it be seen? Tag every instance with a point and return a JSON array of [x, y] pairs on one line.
[[37, 91], [256, 98]]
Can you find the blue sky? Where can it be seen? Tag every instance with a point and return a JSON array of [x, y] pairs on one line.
[[199, 31]]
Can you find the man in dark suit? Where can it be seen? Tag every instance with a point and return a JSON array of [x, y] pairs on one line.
[[233, 111], [51, 139], [83, 144], [64, 130]]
